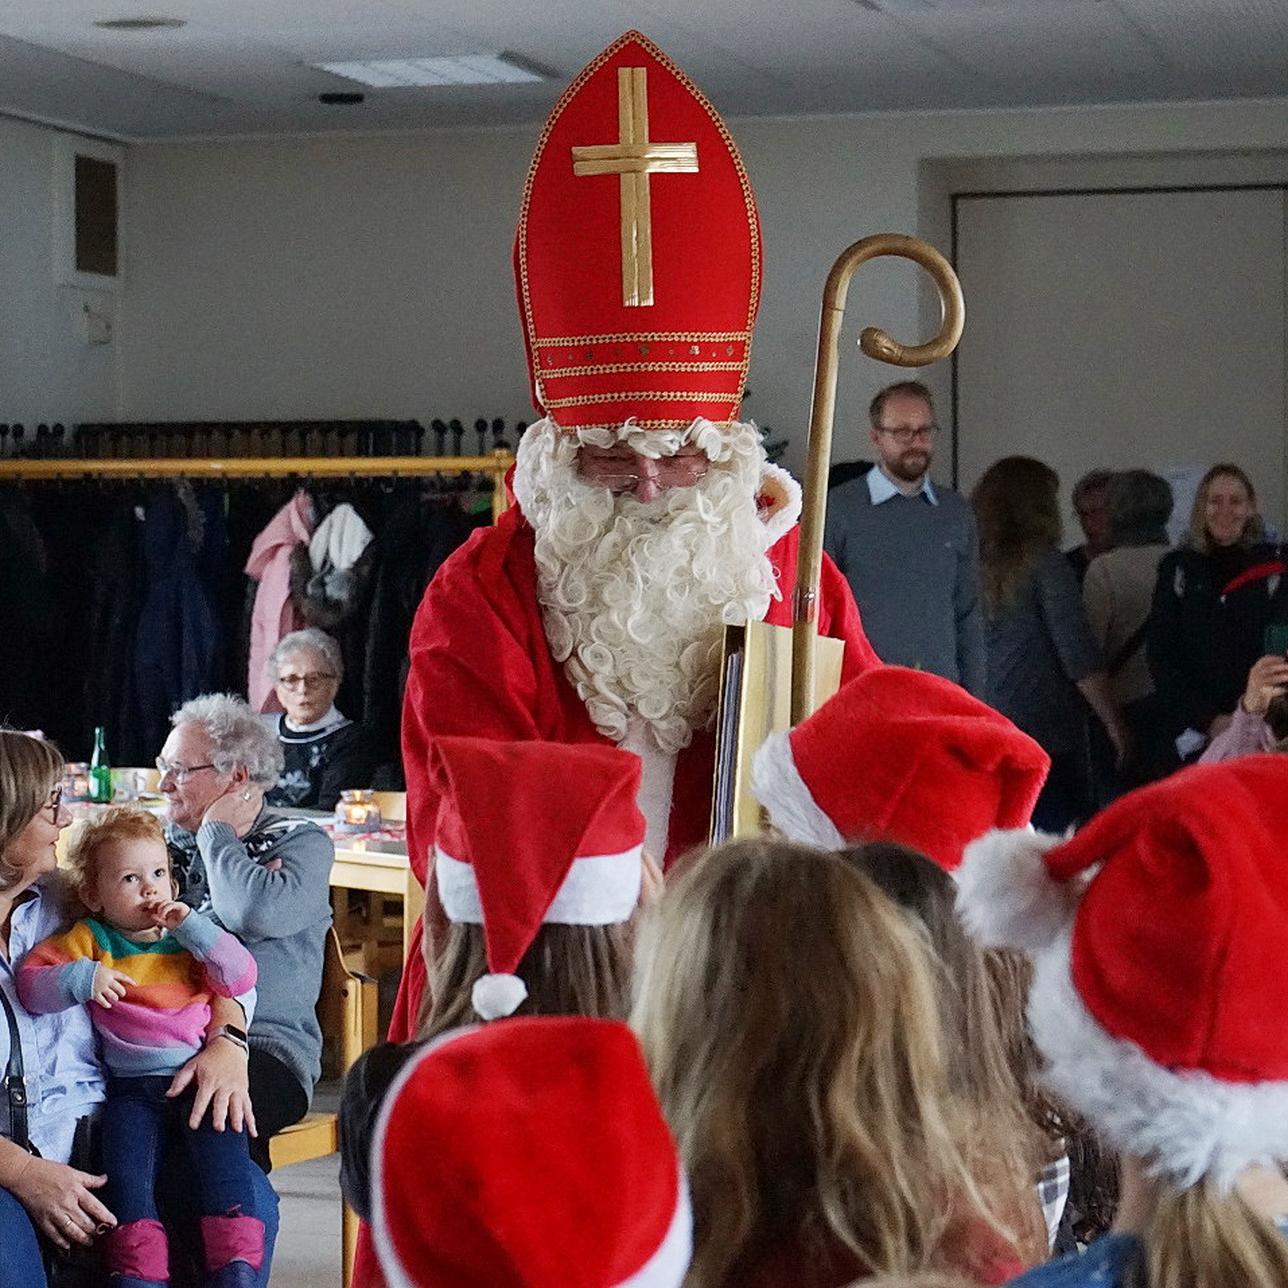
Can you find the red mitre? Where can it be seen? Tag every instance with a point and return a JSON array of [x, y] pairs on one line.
[[637, 258]]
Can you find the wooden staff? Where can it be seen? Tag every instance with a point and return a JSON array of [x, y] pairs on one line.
[[876, 344]]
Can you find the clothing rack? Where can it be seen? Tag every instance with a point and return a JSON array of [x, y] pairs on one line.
[[494, 466]]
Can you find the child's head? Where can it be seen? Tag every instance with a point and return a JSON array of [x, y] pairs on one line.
[[539, 884], [1158, 992], [567, 970], [991, 1062], [120, 866], [529, 1154], [788, 1014]]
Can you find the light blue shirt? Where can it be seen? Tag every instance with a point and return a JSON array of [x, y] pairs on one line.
[[880, 487], [60, 1061]]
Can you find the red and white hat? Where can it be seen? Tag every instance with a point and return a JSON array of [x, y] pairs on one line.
[[900, 755], [1158, 934], [637, 257], [533, 832], [529, 1154]]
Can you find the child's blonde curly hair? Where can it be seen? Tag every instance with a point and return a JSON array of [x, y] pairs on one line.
[[120, 823]]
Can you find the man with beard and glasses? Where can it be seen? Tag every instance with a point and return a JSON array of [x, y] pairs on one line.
[[647, 516], [909, 548]]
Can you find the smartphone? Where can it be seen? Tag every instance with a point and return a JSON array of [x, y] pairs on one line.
[[1276, 640]]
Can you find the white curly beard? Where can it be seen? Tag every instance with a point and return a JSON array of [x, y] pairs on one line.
[[635, 595]]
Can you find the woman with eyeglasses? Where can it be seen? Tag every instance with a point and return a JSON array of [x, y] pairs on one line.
[[264, 877], [323, 751], [50, 1205]]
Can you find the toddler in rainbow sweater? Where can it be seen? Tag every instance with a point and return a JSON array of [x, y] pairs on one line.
[[148, 965]]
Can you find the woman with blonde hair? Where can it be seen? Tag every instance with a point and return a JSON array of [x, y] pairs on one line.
[[1214, 599], [1156, 934], [788, 1014], [1042, 659]]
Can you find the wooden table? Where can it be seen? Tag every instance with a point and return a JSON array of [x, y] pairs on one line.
[[382, 867]]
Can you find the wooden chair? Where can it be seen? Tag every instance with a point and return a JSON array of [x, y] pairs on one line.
[[347, 1009]]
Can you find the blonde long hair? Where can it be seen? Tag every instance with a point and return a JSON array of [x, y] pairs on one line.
[[788, 1016], [568, 970], [1254, 529], [982, 995], [1202, 1237]]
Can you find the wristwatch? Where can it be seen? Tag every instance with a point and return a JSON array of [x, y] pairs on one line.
[[232, 1033]]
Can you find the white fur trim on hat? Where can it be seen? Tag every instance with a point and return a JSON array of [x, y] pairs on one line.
[[778, 786], [1006, 897], [785, 512], [667, 1267], [496, 996], [599, 890], [395, 1275], [1186, 1123]]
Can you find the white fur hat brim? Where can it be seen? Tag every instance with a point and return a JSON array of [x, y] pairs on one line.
[[1186, 1124], [778, 786], [1006, 896]]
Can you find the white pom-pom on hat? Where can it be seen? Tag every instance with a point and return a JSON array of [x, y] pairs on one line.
[[496, 996], [1006, 895]]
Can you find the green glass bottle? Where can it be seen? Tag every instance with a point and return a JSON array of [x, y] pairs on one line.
[[100, 772]]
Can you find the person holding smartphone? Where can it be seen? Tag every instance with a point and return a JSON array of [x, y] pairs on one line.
[[1260, 721]]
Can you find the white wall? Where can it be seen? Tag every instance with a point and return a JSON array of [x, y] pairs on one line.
[[371, 276], [48, 369]]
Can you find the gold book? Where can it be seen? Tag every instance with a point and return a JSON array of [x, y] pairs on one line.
[[756, 700]]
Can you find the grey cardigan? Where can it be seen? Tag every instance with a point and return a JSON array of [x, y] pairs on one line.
[[270, 888]]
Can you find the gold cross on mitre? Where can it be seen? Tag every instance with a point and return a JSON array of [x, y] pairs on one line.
[[633, 158]]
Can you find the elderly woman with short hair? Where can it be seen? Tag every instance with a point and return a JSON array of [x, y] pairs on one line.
[[1118, 592], [324, 752], [265, 878]]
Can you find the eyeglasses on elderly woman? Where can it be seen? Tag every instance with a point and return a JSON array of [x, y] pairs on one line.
[[313, 680]]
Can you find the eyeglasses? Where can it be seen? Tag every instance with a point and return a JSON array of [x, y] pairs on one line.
[[621, 474], [55, 801], [905, 434], [314, 680], [180, 773]]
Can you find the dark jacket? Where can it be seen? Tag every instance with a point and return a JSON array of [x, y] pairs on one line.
[[1208, 626], [365, 1087], [319, 766], [178, 646], [417, 537]]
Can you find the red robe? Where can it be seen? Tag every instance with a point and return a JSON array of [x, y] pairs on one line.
[[480, 665]]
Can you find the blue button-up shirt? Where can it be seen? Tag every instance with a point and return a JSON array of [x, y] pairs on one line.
[[59, 1056], [880, 487]]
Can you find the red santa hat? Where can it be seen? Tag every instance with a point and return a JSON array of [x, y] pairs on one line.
[[533, 832], [529, 1154], [637, 257], [1159, 991], [900, 755]]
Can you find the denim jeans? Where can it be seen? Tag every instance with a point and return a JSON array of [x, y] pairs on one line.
[[21, 1256], [21, 1265], [136, 1119]]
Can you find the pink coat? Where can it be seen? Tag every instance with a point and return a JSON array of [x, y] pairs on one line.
[[274, 615]]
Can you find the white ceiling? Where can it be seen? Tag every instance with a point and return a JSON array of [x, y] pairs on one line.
[[238, 66]]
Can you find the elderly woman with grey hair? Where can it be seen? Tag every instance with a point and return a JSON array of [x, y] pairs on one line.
[[265, 878], [1118, 593], [323, 751]]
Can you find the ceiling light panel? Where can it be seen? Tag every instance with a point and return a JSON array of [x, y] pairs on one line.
[[408, 73]]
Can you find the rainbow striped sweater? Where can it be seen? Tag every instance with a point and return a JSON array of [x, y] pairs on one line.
[[161, 1021]]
